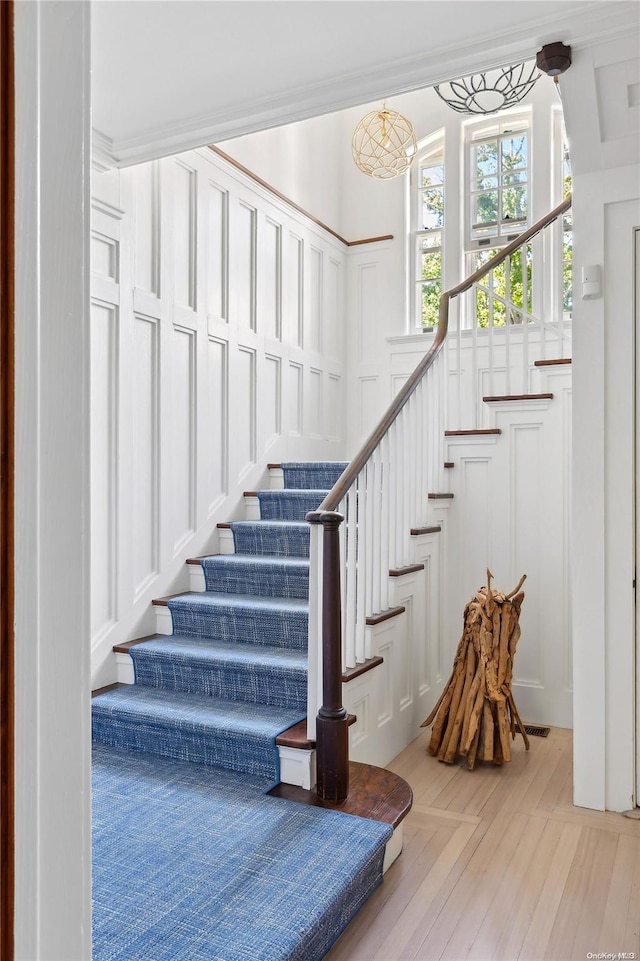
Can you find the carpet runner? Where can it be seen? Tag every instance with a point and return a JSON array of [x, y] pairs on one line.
[[281, 881]]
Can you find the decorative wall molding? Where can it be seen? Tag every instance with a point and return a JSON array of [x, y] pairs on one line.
[[215, 286]]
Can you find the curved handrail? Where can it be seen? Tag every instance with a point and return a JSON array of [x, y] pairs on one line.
[[346, 479]]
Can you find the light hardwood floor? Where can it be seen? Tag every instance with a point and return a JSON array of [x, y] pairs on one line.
[[498, 864]]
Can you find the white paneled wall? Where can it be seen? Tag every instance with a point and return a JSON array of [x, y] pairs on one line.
[[216, 346]]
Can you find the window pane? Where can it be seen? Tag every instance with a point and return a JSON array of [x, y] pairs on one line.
[[486, 207], [430, 240], [432, 208], [514, 203], [513, 153], [431, 265], [519, 177], [486, 183], [567, 246], [485, 158], [432, 174], [430, 303]]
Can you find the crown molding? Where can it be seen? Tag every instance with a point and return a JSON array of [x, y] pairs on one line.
[[102, 154]]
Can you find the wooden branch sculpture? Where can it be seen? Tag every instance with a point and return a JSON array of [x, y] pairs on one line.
[[476, 712]]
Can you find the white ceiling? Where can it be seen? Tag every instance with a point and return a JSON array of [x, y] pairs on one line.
[[168, 75]]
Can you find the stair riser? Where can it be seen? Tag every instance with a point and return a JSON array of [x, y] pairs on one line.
[[284, 629], [275, 543], [309, 476], [278, 688], [229, 749], [287, 505], [267, 581]]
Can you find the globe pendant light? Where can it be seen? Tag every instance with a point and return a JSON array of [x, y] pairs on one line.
[[384, 144]]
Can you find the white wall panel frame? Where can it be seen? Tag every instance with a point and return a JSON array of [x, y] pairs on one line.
[[185, 232], [143, 455], [104, 478], [210, 391], [217, 252], [184, 417]]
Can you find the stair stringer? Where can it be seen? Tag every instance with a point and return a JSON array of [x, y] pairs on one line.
[[511, 513], [391, 701]]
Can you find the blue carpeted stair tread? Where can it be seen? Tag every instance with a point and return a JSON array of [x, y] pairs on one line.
[[192, 727], [276, 621], [243, 672], [271, 538], [257, 575], [196, 864]]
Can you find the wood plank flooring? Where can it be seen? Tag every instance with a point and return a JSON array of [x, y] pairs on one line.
[[498, 864]]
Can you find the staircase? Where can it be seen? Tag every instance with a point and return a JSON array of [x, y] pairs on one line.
[[213, 690]]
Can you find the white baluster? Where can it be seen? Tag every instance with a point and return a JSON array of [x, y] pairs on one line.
[[361, 567], [384, 524], [375, 497], [351, 533], [393, 494]]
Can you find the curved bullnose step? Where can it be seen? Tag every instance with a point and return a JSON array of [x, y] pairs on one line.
[[256, 674], [218, 869], [190, 727]]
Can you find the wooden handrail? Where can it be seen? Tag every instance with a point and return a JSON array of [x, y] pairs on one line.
[[346, 479]]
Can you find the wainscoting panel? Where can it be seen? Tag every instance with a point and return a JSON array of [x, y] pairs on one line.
[[270, 281], [510, 513], [315, 420], [217, 254], [293, 282], [334, 312], [104, 256], [335, 406], [185, 185], [183, 452], [145, 454], [367, 307], [271, 400], [244, 274], [243, 415], [146, 239], [526, 478], [104, 444], [295, 405], [217, 452], [207, 363], [314, 313]]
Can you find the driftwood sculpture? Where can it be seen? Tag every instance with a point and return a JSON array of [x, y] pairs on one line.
[[476, 712]]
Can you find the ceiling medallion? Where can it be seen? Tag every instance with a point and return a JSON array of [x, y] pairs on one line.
[[489, 92]]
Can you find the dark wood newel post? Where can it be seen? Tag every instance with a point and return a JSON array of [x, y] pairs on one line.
[[332, 724]]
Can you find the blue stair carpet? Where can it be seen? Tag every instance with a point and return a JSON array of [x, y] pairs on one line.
[[312, 474], [193, 727], [198, 864], [289, 505], [281, 622], [244, 672], [264, 576], [192, 861], [271, 538]]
